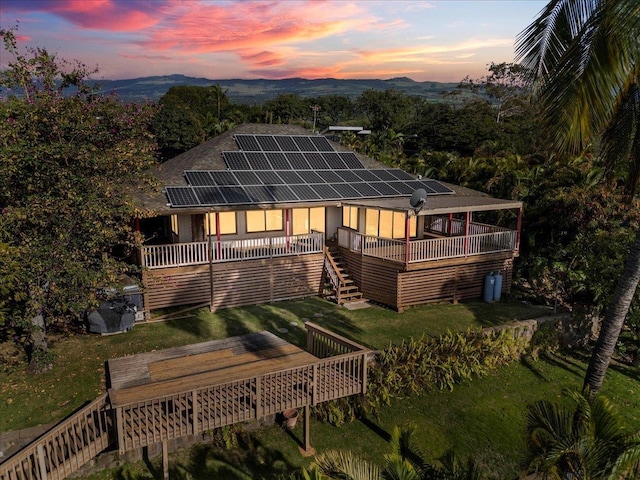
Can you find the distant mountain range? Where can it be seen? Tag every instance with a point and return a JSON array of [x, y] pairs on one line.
[[257, 91]]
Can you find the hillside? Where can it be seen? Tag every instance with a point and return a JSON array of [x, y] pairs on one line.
[[257, 91]]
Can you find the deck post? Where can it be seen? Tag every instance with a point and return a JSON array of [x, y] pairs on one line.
[[194, 405], [165, 460], [120, 429], [518, 228], [306, 424]]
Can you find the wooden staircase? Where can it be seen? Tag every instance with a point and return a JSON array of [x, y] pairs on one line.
[[338, 286]]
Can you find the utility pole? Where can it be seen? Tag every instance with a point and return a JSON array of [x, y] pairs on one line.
[[316, 109]]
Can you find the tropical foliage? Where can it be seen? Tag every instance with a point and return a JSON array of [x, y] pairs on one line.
[[583, 441], [405, 461], [584, 56]]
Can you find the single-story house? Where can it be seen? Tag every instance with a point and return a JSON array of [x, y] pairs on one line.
[[264, 213]]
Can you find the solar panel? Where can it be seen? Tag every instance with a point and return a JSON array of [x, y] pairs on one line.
[[316, 161], [267, 143], [235, 195], [290, 177], [351, 160], [321, 143], [270, 177], [198, 177], [416, 184], [286, 143], [236, 161], [437, 186], [309, 176], [282, 193], [304, 144], [385, 188], [384, 175], [305, 192], [403, 187], [278, 161], [334, 161], [182, 197], [400, 174], [366, 175], [348, 176], [248, 143], [365, 190], [346, 190], [329, 176], [209, 195], [247, 178], [257, 161], [297, 161], [224, 177], [326, 192], [259, 194]]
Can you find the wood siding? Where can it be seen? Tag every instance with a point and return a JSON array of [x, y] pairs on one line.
[[235, 284], [456, 279]]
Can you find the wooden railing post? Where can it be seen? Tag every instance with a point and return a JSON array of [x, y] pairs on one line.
[[120, 429], [196, 413], [42, 466]]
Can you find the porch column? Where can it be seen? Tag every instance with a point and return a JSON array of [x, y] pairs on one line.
[[287, 227], [449, 225], [518, 228], [467, 221], [407, 238], [219, 252], [210, 253]]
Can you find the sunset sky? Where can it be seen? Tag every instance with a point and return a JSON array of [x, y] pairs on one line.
[[442, 40]]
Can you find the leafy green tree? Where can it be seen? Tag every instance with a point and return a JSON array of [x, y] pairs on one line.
[[70, 162], [584, 56], [388, 109], [287, 108], [585, 441]]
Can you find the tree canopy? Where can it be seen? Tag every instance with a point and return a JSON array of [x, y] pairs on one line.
[[70, 162]]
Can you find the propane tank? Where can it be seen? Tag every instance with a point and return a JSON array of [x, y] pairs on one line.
[[489, 287], [497, 288]]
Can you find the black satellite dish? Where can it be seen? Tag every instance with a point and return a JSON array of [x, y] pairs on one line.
[[418, 199]]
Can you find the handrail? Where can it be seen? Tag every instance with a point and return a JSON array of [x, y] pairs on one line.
[[189, 412], [432, 248], [64, 448], [202, 253]]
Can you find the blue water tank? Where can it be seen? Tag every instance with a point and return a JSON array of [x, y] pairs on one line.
[[489, 287], [497, 288]]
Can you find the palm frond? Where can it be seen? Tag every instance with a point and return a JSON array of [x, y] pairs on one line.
[[345, 465]]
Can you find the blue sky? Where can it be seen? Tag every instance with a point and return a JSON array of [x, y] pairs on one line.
[[433, 40]]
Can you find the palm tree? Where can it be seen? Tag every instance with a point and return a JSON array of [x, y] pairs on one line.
[[405, 462], [586, 441], [584, 56]]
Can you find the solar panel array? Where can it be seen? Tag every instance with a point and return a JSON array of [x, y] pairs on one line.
[[226, 187], [292, 168]]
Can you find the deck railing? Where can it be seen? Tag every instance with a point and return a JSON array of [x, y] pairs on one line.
[[66, 447], [200, 253], [454, 226], [428, 249], [342, 372]]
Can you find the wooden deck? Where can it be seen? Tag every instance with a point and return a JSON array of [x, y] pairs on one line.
[[158, 396], [182, 391], [168, 372]]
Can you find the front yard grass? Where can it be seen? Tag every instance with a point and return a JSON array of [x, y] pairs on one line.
[[78, 374], [483, 418]]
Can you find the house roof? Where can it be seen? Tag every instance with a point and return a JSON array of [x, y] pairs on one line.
[[214, 156]]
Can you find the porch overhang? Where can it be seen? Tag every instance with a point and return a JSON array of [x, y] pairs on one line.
[[439, 205]]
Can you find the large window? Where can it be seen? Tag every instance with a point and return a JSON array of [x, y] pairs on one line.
[[306, 219], [264, 220], [350, 217], [228, 224], [388, 224]]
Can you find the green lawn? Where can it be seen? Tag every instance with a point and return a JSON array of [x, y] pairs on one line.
[[483, 418], [78, 375]]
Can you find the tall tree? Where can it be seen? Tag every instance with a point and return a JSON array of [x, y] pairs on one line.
[[584, 56], [70, 161]]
